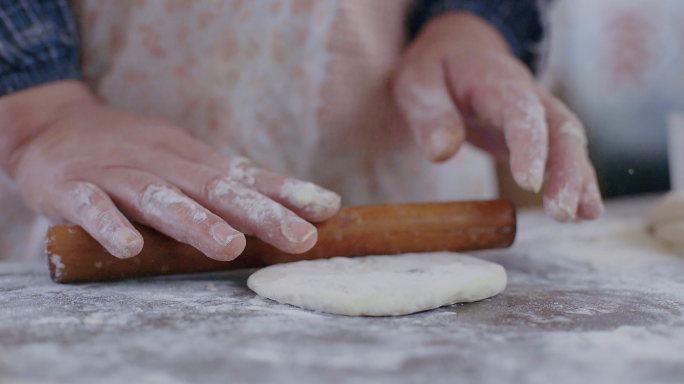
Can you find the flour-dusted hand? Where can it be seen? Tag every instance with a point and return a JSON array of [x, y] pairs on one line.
[[460, 76], [78, 160]]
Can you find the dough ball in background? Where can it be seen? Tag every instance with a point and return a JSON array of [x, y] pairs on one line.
[[665, 220]]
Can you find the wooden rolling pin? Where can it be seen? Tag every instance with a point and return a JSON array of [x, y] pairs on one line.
[[74, 256]]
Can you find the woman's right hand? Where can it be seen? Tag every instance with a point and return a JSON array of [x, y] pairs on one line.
[[78, 160]]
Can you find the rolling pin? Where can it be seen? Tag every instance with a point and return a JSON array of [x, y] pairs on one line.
[[75, 257]]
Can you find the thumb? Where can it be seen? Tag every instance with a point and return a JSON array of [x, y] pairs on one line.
[[424, 101]]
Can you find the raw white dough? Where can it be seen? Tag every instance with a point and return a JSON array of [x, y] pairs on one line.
[[380, 285]]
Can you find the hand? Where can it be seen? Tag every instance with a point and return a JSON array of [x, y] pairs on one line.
[[460, 76], [75, 159]]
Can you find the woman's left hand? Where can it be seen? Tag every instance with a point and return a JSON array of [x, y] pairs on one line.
[[459, 76]]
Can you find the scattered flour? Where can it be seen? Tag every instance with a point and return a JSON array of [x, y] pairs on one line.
[[199, 216], [604, 246], [60, 321], [56, 260], [574, 312]]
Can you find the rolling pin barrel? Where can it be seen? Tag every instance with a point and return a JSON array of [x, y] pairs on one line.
[[74, 256]]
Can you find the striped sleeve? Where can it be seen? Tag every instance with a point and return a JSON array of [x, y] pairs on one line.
[[38, 43]]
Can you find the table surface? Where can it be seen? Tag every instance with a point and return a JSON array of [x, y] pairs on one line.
[[586, 303]]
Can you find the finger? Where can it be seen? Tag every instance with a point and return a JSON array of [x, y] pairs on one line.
[[424, 101], [155, 203], [515, 108], [88, 206], [590, 204], [243, 207], [568, 166], [307, 200], [487, 138]]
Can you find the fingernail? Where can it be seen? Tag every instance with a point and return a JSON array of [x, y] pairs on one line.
[[536, 175], [592, 201], [443, 143], [297, 230], [223, 234], [532, 178], [128, 241]]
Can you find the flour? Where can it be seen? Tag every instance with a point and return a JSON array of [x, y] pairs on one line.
[[614, 246], [104, 222], [560, 206], [299, 194], [240, 169], [259, 209], [83, 196], [527, 118], [199, 216], [157, 199], [573, 312], [56, 260], [574, 130], [308, 196], [60, 321], [92, 320]]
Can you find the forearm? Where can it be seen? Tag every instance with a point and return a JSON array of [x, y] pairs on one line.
[[519, 21], [38, 44]]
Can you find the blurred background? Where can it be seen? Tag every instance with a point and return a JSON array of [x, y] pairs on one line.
[[619, 64]]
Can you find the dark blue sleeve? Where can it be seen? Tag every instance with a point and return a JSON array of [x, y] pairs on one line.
[[519, 21], [38, 43]]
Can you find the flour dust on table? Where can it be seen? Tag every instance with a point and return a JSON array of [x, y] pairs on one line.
[[380, 285]]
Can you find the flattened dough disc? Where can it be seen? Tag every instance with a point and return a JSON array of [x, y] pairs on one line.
[[380, 285]]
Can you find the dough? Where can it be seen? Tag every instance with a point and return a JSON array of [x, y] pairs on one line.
[[667, 210], [380, 285], [665, 220]]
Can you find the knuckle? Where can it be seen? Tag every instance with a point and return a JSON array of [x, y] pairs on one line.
[[405, 80], [240, 168], [105, 221], [216, 187], [91, 208], [83, 196], [147, 192], [573, 129], [152, 194]]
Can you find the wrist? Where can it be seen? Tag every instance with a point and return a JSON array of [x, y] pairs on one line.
[[469, 29], [518, 21], [24, 115]]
